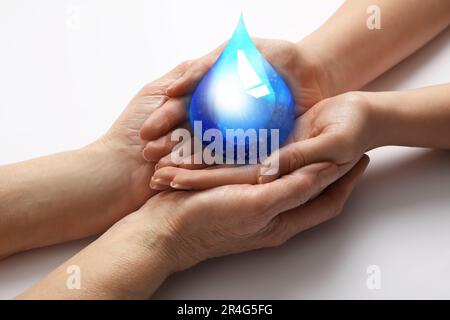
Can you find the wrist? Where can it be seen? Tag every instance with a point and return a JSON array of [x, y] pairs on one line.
[[103, 195], [142, 262], [89, 185], [115, 173], [115, 266], [154, 230], [323, 69], [108, 168], [382, 119]]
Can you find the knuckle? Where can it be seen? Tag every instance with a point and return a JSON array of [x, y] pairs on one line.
[[308, 181]]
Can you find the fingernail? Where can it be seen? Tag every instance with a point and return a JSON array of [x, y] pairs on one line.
[[266, 169], [263, 179], [161, 181], [179, 186], [164, 162], [156, 144], [157, 186]]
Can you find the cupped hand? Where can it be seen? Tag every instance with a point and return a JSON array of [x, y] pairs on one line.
[[197, 225], [338, 129]]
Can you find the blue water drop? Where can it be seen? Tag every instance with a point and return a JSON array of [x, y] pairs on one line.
[[243, 91]]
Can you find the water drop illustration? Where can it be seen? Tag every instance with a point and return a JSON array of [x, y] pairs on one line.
[[242, 91]]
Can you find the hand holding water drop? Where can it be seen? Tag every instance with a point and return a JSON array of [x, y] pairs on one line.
[[298, 66], [291, 157], [219, 108], [338, 129]]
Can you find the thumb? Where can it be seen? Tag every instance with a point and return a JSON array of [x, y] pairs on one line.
[[298, 154]]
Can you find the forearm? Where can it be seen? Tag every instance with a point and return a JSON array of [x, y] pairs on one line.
[[57, 198], [417, 118], [351, 54], [122, 264]]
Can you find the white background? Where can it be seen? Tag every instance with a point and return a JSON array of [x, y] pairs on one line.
[[62, 84]]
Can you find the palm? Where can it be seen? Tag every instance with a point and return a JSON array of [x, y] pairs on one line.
[[334, 130], [296, 67], [342, 121]]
